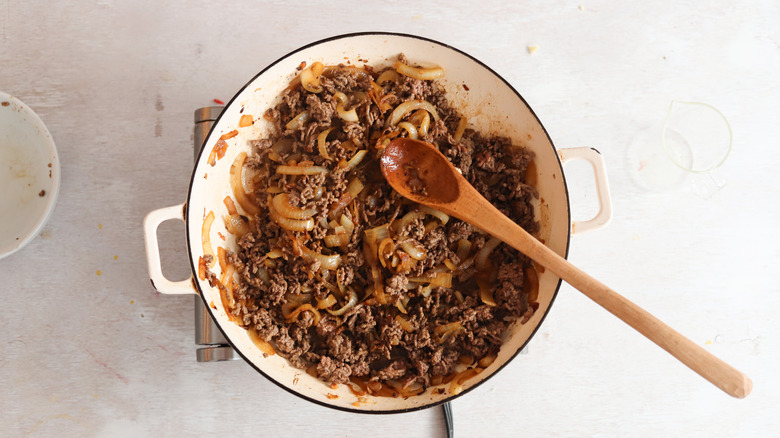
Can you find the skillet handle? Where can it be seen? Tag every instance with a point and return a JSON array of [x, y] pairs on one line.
[[604, 215], [151, 222]]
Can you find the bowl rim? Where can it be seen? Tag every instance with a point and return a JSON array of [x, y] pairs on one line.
[[54, 187], [194, 263]]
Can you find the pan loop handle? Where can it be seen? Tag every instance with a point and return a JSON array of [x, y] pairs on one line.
[[604, 215], [151, 222]]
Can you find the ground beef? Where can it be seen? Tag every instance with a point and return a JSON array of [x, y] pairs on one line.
[[392, 333]]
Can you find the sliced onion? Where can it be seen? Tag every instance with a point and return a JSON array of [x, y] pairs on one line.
[[481, 257], [274, 253], [205, 238], [246, 201], [407, 219], [410, 105], [322, 143], [263, 274], [443, 279], [356, 159], [330, 262], [353, 189], [349, 68], [487, 361], [414, 249], [450, 265], [410, 129], [426, 74], [305, 308], [423, 120], [332, 241], [347, 116], [347, 223], [261, 343], [297, 121], [460, 129], [464, 247], [236, 225], [201, 269], [377, 234], [387, 75], [443, 332], [283, 146], [310, 78], [456, 387], [326, 302], [385, 250], [353, 298], [485, 292], [531, 284], [227, 290], [379, 98], [443, 217], [300, 170], [230, 205], [282, 205], [290, 224]]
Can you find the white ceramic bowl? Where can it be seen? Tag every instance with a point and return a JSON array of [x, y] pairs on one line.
[[29, 174]]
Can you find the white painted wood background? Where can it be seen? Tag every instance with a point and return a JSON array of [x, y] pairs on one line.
[[116, 82]]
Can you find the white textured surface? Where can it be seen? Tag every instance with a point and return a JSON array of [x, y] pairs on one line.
[[116, 82]]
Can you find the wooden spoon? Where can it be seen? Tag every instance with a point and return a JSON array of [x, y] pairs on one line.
[[418, 171]]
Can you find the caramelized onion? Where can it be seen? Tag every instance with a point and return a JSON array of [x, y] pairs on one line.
[[330, 262], [414, 249], [347, 116], [310, 78], [205, 238], [353, 298], [387, 75], [356, 159], [281, 203], [246, 201], [440, 215], [423, 121], [236, 225], [426, 74], [410, 129], [261, 343], [322, 143], [335, 240], [297, 121], [407, 219], [326, 302], [290, 224], [405, 325], [459, 130], [300, 170], [443, 279], [481, 257], [305, 308], [456, 387], [231, 207], [485, 292], [410, 105], [531, 284]]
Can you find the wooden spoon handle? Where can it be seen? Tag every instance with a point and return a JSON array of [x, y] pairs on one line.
[[719, 373]]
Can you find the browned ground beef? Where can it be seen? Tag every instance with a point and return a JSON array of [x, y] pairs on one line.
[[367, 340]]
